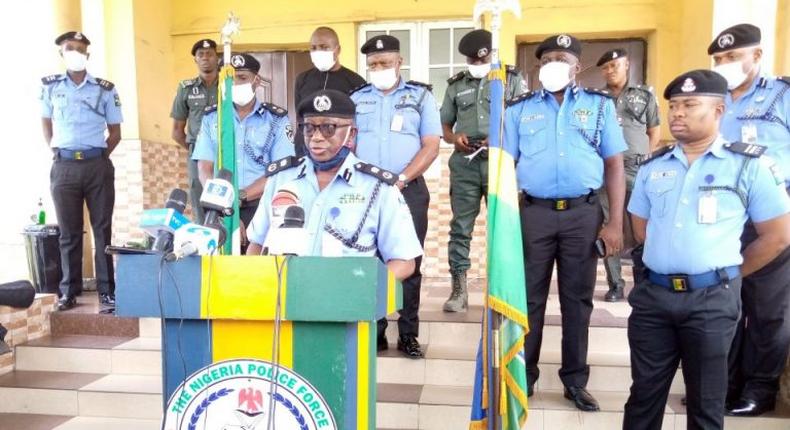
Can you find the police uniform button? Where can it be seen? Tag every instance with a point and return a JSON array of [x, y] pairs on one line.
[[562, 154], [679, 225], [685, 201]]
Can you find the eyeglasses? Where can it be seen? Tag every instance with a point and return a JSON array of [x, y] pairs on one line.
[[327, 130]]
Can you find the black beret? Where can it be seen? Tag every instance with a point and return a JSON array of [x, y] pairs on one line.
[[332, 103], [72, 35], [243, 62], [737, 36], [611, 55], [697, 83], [560, 42], [475, 44], [383, 43], [203, 43]]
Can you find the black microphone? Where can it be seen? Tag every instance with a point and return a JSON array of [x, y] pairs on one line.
[[218, 197], [293, 218], [178, 202], [290, 238]]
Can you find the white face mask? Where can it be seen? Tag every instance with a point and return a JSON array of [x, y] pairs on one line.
[[243, 94], [75, 61], [555, 76], [383, 79], [479, 71], [733, 73], [322, 60]]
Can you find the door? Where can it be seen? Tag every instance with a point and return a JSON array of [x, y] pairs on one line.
[[278, 75]]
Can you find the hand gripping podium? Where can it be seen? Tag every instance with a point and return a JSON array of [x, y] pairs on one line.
[[218, 336]]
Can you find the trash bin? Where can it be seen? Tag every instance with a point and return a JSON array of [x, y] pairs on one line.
[[43, 257]]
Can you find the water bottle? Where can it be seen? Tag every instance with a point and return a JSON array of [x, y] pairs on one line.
[[42, 214]]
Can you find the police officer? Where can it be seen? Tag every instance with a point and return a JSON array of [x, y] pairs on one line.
[[399, 131], [192, 98], [352, 208], [757, 112], [567, 144], [637, 113], [76, 109], [261, 131], [689, 205], [327, 73], [466, 106]]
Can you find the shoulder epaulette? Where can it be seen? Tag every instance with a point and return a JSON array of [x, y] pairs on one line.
[[51, 79], [520, 98], [511, 69], [273, 108], [365, 85], [657, 153], [421, 84], [747, 149], [383, 175], [455, 78], [210, 108], [784, 79], [647, 88], [187, 82], [107, 85], [598, 91], [283, 164]]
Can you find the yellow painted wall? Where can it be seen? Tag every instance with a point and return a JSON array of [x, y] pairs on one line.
[[67, 15], [782, 64]]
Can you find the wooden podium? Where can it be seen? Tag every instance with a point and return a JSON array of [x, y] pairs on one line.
[[220, 308]]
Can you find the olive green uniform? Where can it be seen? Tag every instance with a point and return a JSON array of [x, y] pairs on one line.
[[466, 105]]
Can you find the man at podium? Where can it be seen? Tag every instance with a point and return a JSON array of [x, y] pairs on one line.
[[351, 208]]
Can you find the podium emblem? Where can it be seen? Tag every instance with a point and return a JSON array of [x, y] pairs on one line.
[[247, 394]]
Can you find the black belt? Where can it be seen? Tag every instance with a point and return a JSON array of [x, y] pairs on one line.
[[561, 204], [87, 154], [683, 283]]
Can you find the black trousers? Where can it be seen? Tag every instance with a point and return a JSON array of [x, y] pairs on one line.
[[246, 213], [567, 237], [694, 329], [73, 182], [418, 199], [762, 339]]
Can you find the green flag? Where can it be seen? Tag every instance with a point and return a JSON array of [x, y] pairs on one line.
[[226, 154]]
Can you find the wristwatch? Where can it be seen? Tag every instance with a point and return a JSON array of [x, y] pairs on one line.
[[243, 195]]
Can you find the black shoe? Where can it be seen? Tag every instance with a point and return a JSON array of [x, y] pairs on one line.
[[530, 390], [614, 294], [744, 407], [381, 343], [683, 400], [410, 346], [107, 299], [581, 399], [67, 302]]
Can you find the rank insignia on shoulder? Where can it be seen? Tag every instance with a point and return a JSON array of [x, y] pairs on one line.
[[520, 98], [421, 84], [783, 79], [283, 164], [210, 108], [385, 176], [657, 153], [51, 79], [358, 88], [273, 108], [105, 84], [455, 78], [598, 91], [187, 82], [511, 69], [647, 88], [747, 149]]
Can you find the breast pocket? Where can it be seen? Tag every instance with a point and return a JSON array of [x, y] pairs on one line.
[[60, 108], [532, 137], [366, 117], [728, 203], [465, 101], [658, 193], [410, 122], [584, 132]]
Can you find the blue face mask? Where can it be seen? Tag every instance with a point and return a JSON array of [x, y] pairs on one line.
[[333, 162]]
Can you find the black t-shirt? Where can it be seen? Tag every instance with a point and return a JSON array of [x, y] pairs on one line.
[[313, 80]]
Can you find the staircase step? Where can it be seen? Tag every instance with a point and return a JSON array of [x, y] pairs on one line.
[[81, 394], [91, 354], [31, 421], [444, 407]]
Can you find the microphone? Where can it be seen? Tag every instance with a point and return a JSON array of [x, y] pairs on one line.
[[196, 239], [160, 223], [218, 197], [290, 238]]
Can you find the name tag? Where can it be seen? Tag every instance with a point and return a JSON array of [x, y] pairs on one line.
[[706, 210], [397, 123]]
